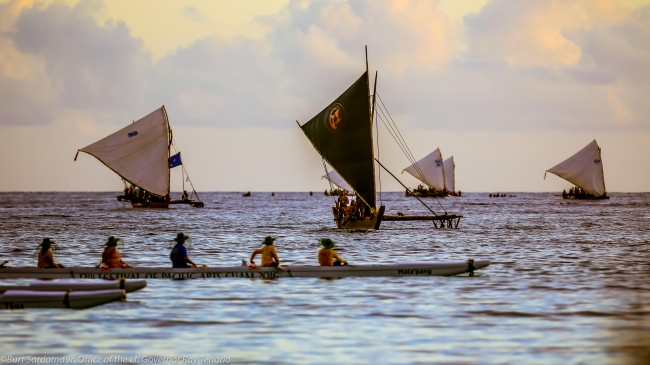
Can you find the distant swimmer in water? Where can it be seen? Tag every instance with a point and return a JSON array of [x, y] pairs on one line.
[[327, 255], [45, 256], [178, 256], [110, 257], [269, 254]]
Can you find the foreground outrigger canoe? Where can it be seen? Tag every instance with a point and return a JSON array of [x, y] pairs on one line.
[[434, 268]]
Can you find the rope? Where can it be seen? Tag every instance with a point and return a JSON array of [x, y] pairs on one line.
[[184, 171], [405, 148], [400, 140], [327, 178]]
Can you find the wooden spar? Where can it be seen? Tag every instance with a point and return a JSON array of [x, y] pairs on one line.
[[366, 58], [407, 189], [374, 95]]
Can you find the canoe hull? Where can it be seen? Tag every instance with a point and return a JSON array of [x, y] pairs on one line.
[[602, 197], [24, 299], [372, 222], [434, 268]]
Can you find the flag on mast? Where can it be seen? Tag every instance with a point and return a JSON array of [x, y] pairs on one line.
[[175, 160]]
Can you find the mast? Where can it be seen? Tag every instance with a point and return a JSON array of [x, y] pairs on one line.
[[370, 117], [169, 146], [602, 170]]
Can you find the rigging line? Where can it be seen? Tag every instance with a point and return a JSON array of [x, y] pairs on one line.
[[186, 174], [407, 189], [402, 147], [410, 157], [391, 131], [327, 178], [391, 118], [401, 142], [400, 134]]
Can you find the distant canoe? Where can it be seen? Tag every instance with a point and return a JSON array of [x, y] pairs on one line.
[[585, 170], [433, 268]]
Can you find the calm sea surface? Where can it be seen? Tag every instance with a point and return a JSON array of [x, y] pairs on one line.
[[569, 283]]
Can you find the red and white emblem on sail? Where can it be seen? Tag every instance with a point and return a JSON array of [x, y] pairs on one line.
[[335, 118]]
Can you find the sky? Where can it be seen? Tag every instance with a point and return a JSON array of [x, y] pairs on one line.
[[510, 88]]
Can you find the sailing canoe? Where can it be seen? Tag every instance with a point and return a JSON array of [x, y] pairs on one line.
[[430, 171], [342, 135], [25, 299], [140, 154], [433, 268], [585, 170]]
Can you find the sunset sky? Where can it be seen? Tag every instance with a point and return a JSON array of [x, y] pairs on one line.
[[510, 88]]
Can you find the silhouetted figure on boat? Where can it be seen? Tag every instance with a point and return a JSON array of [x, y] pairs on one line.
[[327, 256], [45, 256], [178, 256], [269, 254], [110, 257]]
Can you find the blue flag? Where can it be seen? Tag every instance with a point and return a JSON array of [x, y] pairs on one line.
[[175, 160]]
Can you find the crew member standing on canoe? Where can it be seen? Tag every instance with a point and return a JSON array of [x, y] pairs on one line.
[[179, 253], [111, 258], [269, 254], [326, 255], [45, 257]]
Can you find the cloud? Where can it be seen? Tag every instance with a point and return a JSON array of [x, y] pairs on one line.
[[539, 64], [194, 14]]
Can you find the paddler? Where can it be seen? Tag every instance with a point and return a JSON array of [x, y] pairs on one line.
[[45, 256], [269, 254], [327, 255], [110, 257], [178, 255]]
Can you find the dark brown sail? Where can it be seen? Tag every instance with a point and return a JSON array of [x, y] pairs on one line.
[[342, 134]]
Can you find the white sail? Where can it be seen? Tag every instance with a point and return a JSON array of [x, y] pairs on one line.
[[584, 169], [337, 180], [450, 173], [139, 153], [432, 172]]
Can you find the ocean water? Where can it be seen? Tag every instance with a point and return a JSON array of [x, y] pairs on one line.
[[569, 282]]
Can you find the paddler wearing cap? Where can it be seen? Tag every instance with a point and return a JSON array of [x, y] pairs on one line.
[[45, 256], [326, 255], [110, 257], [178, 256], [269, 254]]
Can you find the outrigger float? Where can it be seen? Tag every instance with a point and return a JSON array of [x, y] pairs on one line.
[[85, 285], [433, 268], [26, 299]]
